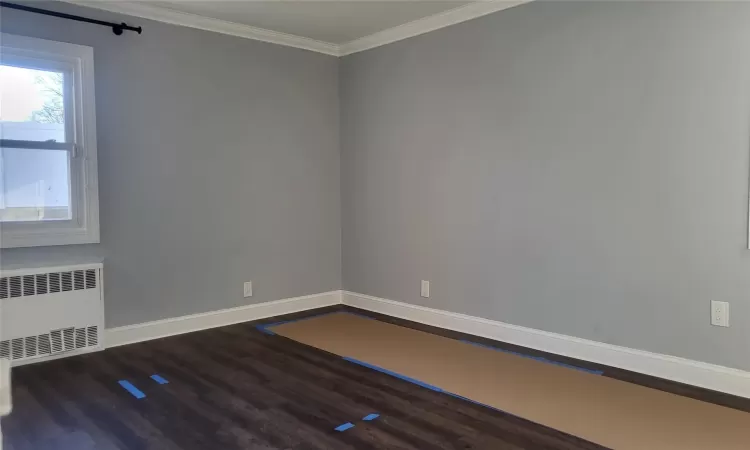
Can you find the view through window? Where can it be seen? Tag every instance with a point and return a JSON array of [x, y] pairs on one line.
[[34, 183]]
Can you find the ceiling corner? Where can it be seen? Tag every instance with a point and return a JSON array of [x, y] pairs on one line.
[[427, 24]]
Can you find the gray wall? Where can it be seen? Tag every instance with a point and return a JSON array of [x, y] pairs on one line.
[[218, 164], [579, 168], [576, 168]]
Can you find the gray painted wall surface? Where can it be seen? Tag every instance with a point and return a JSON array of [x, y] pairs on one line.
[[578, 168], [218, 164]]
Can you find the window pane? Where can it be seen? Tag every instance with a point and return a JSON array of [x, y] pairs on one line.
[[34, 185], [31, 104]]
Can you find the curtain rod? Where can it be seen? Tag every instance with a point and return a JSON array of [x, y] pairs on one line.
[[117, 28]]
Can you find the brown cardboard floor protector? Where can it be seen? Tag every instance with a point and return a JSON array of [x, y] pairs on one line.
[[603, 410]]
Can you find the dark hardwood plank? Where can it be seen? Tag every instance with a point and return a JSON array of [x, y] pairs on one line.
[[237, 388]]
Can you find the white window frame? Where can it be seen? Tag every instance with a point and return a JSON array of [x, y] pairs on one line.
[[77, 62]]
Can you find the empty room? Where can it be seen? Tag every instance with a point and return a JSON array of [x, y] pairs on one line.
[[374, 224]]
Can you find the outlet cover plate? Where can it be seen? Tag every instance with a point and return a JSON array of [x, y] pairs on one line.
[[425, 288], [720, 314]]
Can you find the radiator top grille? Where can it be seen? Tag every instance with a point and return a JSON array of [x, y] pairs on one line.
[[48, 283]]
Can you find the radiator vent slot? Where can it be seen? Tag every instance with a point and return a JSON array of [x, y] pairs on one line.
[[54, 282], [93, 336], [30, 346], [48, 283], [90, 279], [56, 341], [15, 286], [41, 284], [68, 342], [66, 281], [28, 286], [80, 337], [78, 280], [44, 345], [16, 346]]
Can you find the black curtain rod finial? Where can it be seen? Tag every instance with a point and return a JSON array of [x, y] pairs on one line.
[[118, 29]]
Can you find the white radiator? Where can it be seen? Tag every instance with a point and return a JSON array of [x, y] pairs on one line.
[[50, 312]]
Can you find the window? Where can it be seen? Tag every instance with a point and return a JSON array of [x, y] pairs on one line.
[[48, 179]]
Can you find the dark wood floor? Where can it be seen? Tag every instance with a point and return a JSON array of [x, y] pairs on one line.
[[237, 388]]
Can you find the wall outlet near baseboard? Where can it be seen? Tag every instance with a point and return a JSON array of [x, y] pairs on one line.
[[720, 314], [425, 288], [248, 289]]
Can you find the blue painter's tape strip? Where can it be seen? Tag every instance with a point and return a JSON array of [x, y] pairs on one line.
[[420, 383], [370, 417], [474, 401], [284, 322], [159, 379], [535, 358], [132, 389], [394, 374], [344, 427], [582, 369], [265, 328]]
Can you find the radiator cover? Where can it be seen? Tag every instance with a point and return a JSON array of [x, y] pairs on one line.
[[50, 312]]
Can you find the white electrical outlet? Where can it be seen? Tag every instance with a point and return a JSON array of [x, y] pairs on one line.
[[425, 288], [248, 289], [720, 314]]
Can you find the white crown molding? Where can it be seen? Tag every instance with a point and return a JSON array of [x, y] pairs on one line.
[[400, 32], [427, 24], [173, 17], [696, 373]]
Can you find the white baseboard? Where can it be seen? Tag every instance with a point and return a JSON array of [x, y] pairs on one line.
[[131, 334], [709, 376]]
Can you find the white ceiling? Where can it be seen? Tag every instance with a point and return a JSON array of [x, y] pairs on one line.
[[334, 27], [335, 22]]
